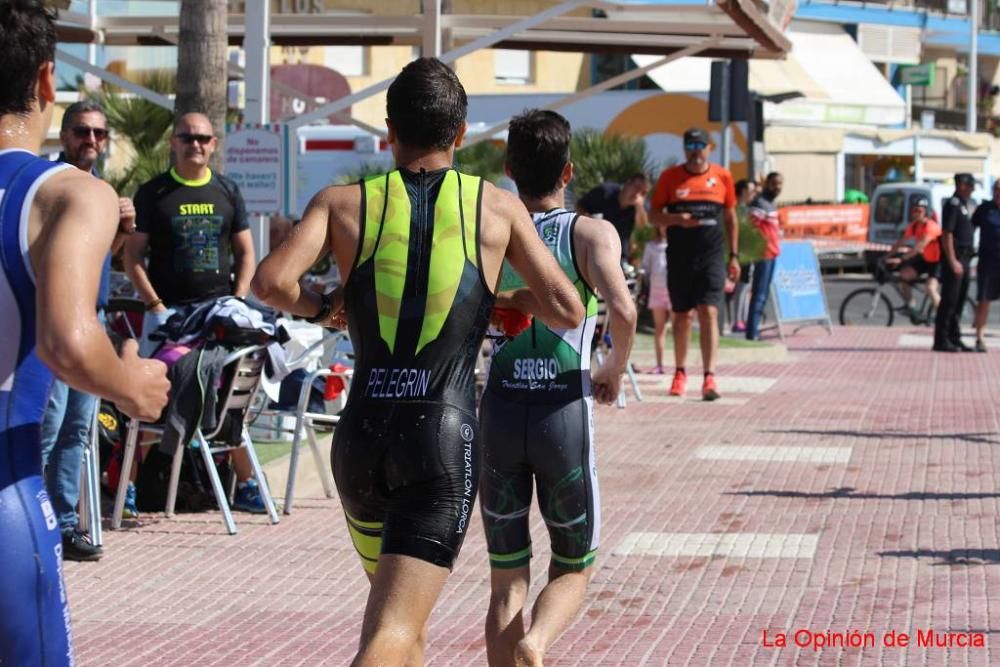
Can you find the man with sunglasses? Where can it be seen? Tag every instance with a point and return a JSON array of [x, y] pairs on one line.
[[69, 415], [193, 222], [693, 201]]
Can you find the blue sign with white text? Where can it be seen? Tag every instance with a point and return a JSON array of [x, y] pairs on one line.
[[798, 285]]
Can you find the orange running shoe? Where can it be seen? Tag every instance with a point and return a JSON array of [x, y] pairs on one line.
[[679, 385], [709, 392]]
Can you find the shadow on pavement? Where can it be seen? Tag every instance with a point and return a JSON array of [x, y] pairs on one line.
[[950, 556], [986, 438], [850, 492]]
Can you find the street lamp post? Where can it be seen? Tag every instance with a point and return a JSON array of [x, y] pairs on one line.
[[970, 119]]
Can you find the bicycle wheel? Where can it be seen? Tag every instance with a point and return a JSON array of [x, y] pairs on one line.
[[866, 307]]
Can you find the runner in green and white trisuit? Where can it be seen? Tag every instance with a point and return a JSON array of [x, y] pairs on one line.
[[537, 409]]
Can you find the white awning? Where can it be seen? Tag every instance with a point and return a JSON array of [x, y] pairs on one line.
[[839, 84]]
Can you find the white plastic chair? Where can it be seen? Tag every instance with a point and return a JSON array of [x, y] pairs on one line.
[[306, 422]]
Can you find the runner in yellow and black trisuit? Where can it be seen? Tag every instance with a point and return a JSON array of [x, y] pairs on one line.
[[420, 251]]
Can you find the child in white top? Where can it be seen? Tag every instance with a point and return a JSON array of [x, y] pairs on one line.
[[654, 262]]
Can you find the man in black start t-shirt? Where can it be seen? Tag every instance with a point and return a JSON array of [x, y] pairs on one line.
[[621, 205], [957, 248], [194, 224]]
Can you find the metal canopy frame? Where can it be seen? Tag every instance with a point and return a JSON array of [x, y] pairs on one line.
[[725, 28]]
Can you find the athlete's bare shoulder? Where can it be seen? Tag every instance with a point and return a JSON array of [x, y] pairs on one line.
[[594, 231], [500, 209], [76, 191]]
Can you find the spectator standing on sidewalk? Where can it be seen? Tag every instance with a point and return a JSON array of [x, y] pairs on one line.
[[956, 250], [987, 219], [624, 206], [693, 201], [764, 214], [194, 224], [654, 263], [69, 414], [746, 190]]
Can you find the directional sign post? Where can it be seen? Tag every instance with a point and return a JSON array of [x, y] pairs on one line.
[[916, 75]]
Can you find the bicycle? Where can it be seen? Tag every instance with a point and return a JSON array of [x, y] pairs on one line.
[[871, 306]]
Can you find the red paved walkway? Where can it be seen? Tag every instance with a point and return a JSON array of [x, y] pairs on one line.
[[905, 529]]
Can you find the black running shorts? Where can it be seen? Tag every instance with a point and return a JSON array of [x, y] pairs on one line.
[[550, 445], [695, 280], [407, 475]]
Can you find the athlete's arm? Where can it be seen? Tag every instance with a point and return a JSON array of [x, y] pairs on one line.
[[80, 215], [559, 304], [277, 279], [598, 250], [244, 261]]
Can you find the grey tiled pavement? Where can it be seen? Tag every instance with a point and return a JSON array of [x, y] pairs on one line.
[[904, 530]]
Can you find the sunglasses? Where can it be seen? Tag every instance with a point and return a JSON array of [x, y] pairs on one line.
[[695, 146], [189, 138], [82, 132]]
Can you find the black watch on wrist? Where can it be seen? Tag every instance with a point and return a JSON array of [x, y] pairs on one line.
[[324, 309], [734, 255]]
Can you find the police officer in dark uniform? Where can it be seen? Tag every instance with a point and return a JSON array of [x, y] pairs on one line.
[[956, 250]]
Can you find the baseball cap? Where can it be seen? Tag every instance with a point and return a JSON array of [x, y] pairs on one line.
[[965, 178], [921, 201], [696, 135]]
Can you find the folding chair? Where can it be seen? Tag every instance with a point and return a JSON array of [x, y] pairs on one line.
[[90, 495], [244, 369], [306, 421]]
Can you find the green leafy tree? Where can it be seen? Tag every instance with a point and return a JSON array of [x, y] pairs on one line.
[[144, 125], [484, 159]]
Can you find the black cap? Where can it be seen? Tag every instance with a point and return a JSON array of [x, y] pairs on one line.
[[696, 135], [921, 201], [966, 178]]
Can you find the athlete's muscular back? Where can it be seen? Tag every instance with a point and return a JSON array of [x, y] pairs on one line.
[[333, 222]]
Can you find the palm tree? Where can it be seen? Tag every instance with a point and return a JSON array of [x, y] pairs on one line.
[[599, 157], [201, 65], [144, 125]]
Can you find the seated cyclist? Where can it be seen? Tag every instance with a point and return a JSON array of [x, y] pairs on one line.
[[922, 258]]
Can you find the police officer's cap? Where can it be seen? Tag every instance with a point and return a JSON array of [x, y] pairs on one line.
[[965, 178]]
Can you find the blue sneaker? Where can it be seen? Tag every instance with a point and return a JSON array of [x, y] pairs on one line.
[[248, 499], [130, 511]]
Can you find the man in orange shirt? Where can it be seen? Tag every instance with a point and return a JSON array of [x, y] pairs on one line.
[[693, 200], [923, 258]]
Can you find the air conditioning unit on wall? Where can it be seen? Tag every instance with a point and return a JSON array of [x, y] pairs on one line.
[[889, 44]]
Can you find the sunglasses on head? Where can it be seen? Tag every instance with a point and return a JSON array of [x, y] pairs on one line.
[[695, 146], [82, 132], [189, 138]]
